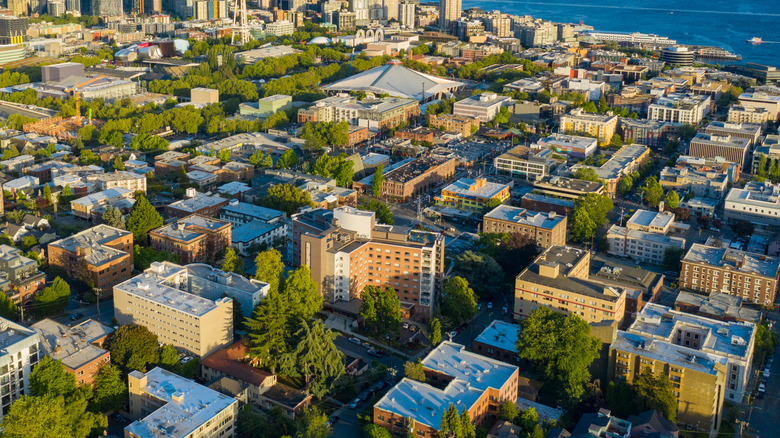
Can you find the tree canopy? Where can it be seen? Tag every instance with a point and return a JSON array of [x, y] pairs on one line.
[[270, 268], [232, 262], [143, 219], [52, 299], [286, 198], [383, 213], [381, 310], [315, 358], [134, 347], [458, 302]]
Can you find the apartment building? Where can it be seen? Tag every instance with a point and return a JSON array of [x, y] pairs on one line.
[[567, 188], [20, 351], [572, 145], [717, 305], [346, 250], [559, 279], [704, 177], [92, 207], [377, 114], [578, 121], [526, 163], [105, 252], [472, 194], [769, 148], [254, 226], [198, 203], [195, 238], [127, 180], [747, 131], [652, 133], [623, 162], [747, 114], [453, 376], [498, 341], [680, 108], [483, 106], [707, 360], [21, 274], [758, 100], [163, 401], [80, 348], [416, 177], [757, 203], [536, 202], [464, 125], [546, 229], [752, 277], [644, 237]]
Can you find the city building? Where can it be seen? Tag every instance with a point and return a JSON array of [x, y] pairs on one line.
[[483, 106], [13, 30], [559, 279], [680, 108], [232, 367], [455, 376], [653, 133], [20, 351], [464, 125], [204, 96], [680, 56], [346, 249], [21, 274], [545, 229], [376, 114], [572, 145], [498, 341], [644, 237], [537, 202], [416, 177], [449, 12], [281, 28], [92, 207], [267, 106], [601, 424], [195, 202], [407, 13], [578, 121], [747, 131], [769, 149], [716, 305], [195, 238], [746, 114], [118, 179], [623, 162], [568, 188], [17, 163], [760, 100], [752, 277], [105, 252], [165, 403], [472, 194], [80, 348], [758, 203], [526, 163]]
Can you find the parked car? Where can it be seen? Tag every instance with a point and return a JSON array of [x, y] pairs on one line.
[[405, 325], [355, 403], [333, 419], [490, 305], [505, 309], [375, 353], [354, 340], [761, 388]]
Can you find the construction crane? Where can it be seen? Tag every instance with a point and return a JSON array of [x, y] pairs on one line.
[[75, 90]]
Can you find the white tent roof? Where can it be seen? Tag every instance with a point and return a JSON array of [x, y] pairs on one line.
[[396, 80]]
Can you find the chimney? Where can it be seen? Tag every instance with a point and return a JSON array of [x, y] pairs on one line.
[[661, 206]]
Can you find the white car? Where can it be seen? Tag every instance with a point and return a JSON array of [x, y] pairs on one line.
[[490, 305]]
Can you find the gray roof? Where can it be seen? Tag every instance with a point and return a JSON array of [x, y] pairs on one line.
[[396, 80]]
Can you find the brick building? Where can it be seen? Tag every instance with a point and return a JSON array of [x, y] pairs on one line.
[[416, 177], [198, 203], [195, 238], [546, 229], [81, 348]]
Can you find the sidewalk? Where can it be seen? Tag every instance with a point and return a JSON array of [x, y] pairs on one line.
[[339, 323]]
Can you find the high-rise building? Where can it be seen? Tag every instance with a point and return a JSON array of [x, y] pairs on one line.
[[20, 350], [107, 8], [17, 7], [13, 30], [360, 8], [55, 9], [449, 11], [390, 9], [406, 13], [73, 6]]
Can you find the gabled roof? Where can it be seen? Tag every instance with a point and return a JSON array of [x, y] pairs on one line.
[[396, 80]]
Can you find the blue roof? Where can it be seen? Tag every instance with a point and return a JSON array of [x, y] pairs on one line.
[[251, 231], [256, 211]]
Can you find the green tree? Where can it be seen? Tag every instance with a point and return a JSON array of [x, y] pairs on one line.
[[626, 184], [47, 194], [118, 163], [383, 213], [286, 198], [169, 358], [672, 200], [381, 310], [766, 342], [507, 410], [451, 425], [269, 330], [52, 299], [113, 217], [372, 430], [134, 347], [480, 269], [52, 417], [415, 370], [143, 257], [672, 257], [49, 377], [657, 393], [224, 155], [560, 350], [528, 419], [582, 226], [65, 195], [288, 160], [315, 357], [435, 331], [490, 205], [652, 191], [256, 158], [458, 302], [8, 309], [313, 424], [301, 292], [379, 178], [467, 429], [586, 174], [270, 268], [232, 262], [686, 131], [143, 219], [110, 393]]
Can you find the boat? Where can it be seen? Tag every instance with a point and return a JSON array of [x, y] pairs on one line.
[[755, 40]]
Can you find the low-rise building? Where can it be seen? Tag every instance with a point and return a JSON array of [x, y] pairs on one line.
[[21, 274], [198, 203], [483, 106], [418, 176], [195, 238], [644, 237], [473, 382], [127, 180], [498, 341], [163, 401], [716, 305], [545, 229], [526, 163], [747, 131], [747, 114], [20, 351], [757, 203], [464, 125], [16, 164], [653, 133], [768, 150], [752, 277], [708, 178], [560, 276], [623, 162], [472, 195], [537, 202], [680, 108], [92, 207], [567, 188], [105, 252], [573, 145], [376, 114], [80, 348], [756, 100], [600, 126]]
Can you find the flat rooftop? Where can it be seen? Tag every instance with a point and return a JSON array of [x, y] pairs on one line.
[[254, 211], [191, 227], [414, 169], [650, 219], [484, 100], [73, 346], [729, 258], [549, 200], [501, 335], [188, 405], [522, 216], [12, 333], [564, 141], [573, 184], [479, 188], [148, 287], [199, 202], [104, 196]]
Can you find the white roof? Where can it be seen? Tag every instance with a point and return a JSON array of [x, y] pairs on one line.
[[396, 80]]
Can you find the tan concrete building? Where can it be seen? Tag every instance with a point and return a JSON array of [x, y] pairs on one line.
[[578, 121], [127, 180], [752, 277], [418, 176], [195, 239], [163, 401], [198, 203], [465, 125], [346, 250], [746, 114], [106, 252], [559, 279], [189, 322], [472, 195], [546, 229]]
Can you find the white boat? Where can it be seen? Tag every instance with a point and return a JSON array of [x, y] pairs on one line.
[[755, 40]]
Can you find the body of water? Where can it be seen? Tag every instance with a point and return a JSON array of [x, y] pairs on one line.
[[718, 23]]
